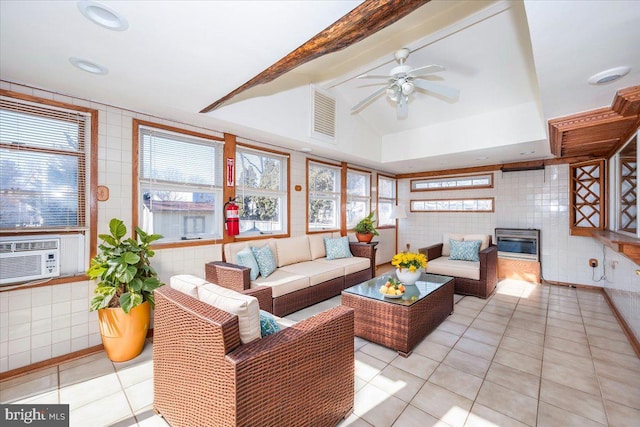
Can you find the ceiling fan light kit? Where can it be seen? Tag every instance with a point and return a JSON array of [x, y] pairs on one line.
[[402, 81]]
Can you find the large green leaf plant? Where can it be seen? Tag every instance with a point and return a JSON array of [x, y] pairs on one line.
[[122, 268]]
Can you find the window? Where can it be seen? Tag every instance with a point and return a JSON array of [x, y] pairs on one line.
[[386, 200], [180, 191], [453, 183], [453, 205], [261, 191], [358, 196], [43, 166], [624, 195], [323, 181]]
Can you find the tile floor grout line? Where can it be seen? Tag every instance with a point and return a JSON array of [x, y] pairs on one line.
[[544, 340]]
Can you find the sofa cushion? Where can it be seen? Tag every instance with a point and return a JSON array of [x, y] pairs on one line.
[[282, 282], [247, 259], [350, 265], [337, 247], [265, 259], [464, 251], [231, 249], [317, 272], [187, 284], [316, 244], [445, 242], [447, 267], [292, 250], [484, 238], [268, 324], [244, 306]]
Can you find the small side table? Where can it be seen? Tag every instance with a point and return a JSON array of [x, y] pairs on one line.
[[365, 250]]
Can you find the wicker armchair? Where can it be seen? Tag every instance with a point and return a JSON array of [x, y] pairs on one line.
[[203, 376], [486, 284]]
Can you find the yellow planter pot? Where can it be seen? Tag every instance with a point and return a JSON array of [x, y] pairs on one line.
[[123, 335]]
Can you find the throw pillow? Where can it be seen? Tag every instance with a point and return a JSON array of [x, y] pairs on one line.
[[337, 247], [264, 258], [465, 251], [247, 259], [268, 324]]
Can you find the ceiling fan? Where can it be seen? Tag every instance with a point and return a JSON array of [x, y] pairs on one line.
[[401, 82]]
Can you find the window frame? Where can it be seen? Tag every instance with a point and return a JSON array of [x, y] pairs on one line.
[[456, 178], [360, 198], [138, 125], [284, 192], [387, 200], [492, 199], [90, 183], [337, 195]]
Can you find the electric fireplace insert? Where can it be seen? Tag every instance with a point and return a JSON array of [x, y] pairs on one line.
[[518, 243]]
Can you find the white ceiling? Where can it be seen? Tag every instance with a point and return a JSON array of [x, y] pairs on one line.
[[516, 65]]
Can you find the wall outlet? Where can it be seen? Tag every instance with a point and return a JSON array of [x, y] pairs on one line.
[[593, 262]]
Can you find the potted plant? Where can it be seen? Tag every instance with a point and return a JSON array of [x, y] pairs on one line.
[[365, 229], [124, 293], [409, 266]]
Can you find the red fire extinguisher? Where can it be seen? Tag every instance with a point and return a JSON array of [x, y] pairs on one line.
[[231, 217]]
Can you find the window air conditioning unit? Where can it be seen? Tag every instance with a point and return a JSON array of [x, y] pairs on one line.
[[25, 259]]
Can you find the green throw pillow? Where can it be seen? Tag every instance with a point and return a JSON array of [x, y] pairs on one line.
[[265, 259], [464, 250], [337, 247], [247, 259], [268, 324]]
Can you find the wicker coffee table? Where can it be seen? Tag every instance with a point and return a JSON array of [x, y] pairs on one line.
[[400, 323]]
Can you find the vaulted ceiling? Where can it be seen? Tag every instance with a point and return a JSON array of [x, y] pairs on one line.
[[517, 64]]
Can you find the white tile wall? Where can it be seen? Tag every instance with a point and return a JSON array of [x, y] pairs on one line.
[[532, 199]]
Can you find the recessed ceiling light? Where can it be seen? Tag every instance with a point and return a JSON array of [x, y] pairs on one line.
[[526, 153], [609, 75], [103, 16], [88, 66]]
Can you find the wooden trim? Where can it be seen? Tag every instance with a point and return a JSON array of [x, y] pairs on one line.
[[364, 20], [178, 130], [357, 169], [228, 193], [343, 199], [50, 102], [135, 178], [577, 187], [260, 148], [50, 362], [51, 282], [633, 340], [493, 204]]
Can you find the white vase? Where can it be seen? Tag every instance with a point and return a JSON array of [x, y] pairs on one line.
[[408, 277]]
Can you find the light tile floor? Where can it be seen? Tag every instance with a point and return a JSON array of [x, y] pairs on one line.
[[533, 355]]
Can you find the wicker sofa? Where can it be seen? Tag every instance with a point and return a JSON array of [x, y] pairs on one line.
[[204, 375], [477, 278], [304, 275]]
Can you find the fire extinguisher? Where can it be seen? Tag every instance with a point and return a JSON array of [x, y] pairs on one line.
[[231, 217]]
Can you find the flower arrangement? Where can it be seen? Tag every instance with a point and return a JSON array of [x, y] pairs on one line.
[[409, 260]]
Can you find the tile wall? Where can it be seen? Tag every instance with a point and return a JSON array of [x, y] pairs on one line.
[[533, 199]]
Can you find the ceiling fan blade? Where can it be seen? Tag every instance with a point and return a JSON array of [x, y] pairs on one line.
[[373, 76], [368, 99], [427, 69], [446, 91], [402, 107]]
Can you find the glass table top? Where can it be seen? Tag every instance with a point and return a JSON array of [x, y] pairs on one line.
[[427, 284]]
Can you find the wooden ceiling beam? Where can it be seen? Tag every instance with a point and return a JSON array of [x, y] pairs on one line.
[[366, 19]]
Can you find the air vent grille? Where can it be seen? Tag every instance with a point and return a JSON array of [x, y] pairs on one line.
[[324, 115]]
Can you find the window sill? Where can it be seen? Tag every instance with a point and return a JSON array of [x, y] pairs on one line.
[[626, 245]]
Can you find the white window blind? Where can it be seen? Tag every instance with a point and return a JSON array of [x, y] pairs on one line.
[[43, 166], [180, 179]]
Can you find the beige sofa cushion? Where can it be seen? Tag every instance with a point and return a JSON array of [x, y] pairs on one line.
[[350, 265], [455, 268], [293, 250], [316, 244], [484, 239], [317, 272], [244, 306], [282, 282], [446, 250], [187, 284]]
